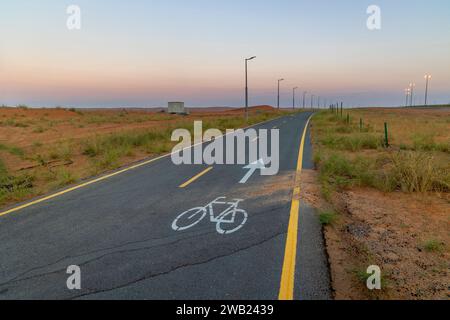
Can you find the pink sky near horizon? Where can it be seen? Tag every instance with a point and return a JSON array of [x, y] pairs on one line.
[[97, 66]]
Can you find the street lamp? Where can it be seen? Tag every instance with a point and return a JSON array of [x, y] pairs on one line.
[[411, 86], [304, 99], [278, 103], [246, 86], [312, 100], [407, 92], [428, 78], [293, 97], [318, 102]]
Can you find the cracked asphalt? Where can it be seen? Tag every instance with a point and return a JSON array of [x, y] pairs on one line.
[[119, 232]]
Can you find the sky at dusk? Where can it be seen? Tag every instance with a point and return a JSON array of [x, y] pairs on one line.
[[146, 53]]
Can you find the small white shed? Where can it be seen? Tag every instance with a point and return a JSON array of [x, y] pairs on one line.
[[176, 108]]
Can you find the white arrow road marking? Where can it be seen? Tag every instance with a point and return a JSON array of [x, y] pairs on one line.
[[252, 169]]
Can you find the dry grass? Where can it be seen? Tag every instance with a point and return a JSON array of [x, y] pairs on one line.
[[417, 172], [418, 159], [415, 129]]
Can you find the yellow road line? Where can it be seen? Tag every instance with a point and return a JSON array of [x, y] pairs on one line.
[[184, 185], [290, 255]]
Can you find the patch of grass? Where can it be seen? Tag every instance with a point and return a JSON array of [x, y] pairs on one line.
[[362, 141], [37, 144], [355, 142], [433, 246], [64, 177], [13, 123], [344, 129], [328, 218], [426, 142], [317, 158], [12, 150], [21, 125], [417, 172], [13, 188], [62, 151], [341, 172], [39, 129]]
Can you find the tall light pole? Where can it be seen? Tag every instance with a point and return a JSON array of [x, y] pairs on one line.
[[407, 92], [278, 101], [293, 97], [246, 86], [428, 78], [304, 99], [411, 86], [312, 100], [318, 102]]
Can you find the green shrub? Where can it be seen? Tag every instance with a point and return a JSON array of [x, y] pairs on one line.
[[418, 172], [327, 218], [13, 188], [38, 129], [364, 141], [64, 177], [354, 142], [12, 150], [63, 151], [340, 172], [433, 246], [424, 142]]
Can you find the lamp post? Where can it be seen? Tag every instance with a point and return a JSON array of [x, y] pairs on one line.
[[304, 99], [293, 97], [407, 91], [246, 86], [411, 86], [312, 100], [428, 78], [278, 101]]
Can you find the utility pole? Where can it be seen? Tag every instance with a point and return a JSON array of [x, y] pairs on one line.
[[278, 101], [293, 97], [246, 86], [304, 97], [428, 78], [407, 91], [412, 85]]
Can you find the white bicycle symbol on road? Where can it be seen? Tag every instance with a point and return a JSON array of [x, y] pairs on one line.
[[230, 220]]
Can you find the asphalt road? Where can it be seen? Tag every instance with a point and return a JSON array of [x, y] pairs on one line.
[[119, 232]]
